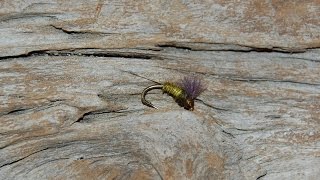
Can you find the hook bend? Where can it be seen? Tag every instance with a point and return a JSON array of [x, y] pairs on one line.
[[144, 93]]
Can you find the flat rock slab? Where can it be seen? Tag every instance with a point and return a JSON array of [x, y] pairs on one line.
[[71, 74]]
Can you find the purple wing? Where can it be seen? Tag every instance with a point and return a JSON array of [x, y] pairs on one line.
[[192, 85]]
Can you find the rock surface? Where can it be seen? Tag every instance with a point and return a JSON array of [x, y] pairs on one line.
[[71, 74]]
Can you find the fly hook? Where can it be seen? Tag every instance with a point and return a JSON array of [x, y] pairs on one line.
[[144, 93], [184, 92]]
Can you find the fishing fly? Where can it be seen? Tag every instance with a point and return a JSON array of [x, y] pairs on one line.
[[184, 91]]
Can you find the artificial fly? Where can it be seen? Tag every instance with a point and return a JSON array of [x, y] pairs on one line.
[[184, 92]]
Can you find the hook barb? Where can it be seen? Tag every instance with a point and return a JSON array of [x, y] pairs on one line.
[[144, 93]]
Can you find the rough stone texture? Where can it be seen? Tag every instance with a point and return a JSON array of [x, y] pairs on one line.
[[71, 73]]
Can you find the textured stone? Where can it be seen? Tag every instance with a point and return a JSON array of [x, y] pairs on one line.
[[71, 74]]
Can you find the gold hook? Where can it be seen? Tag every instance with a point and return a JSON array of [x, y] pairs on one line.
[[144, 93]]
